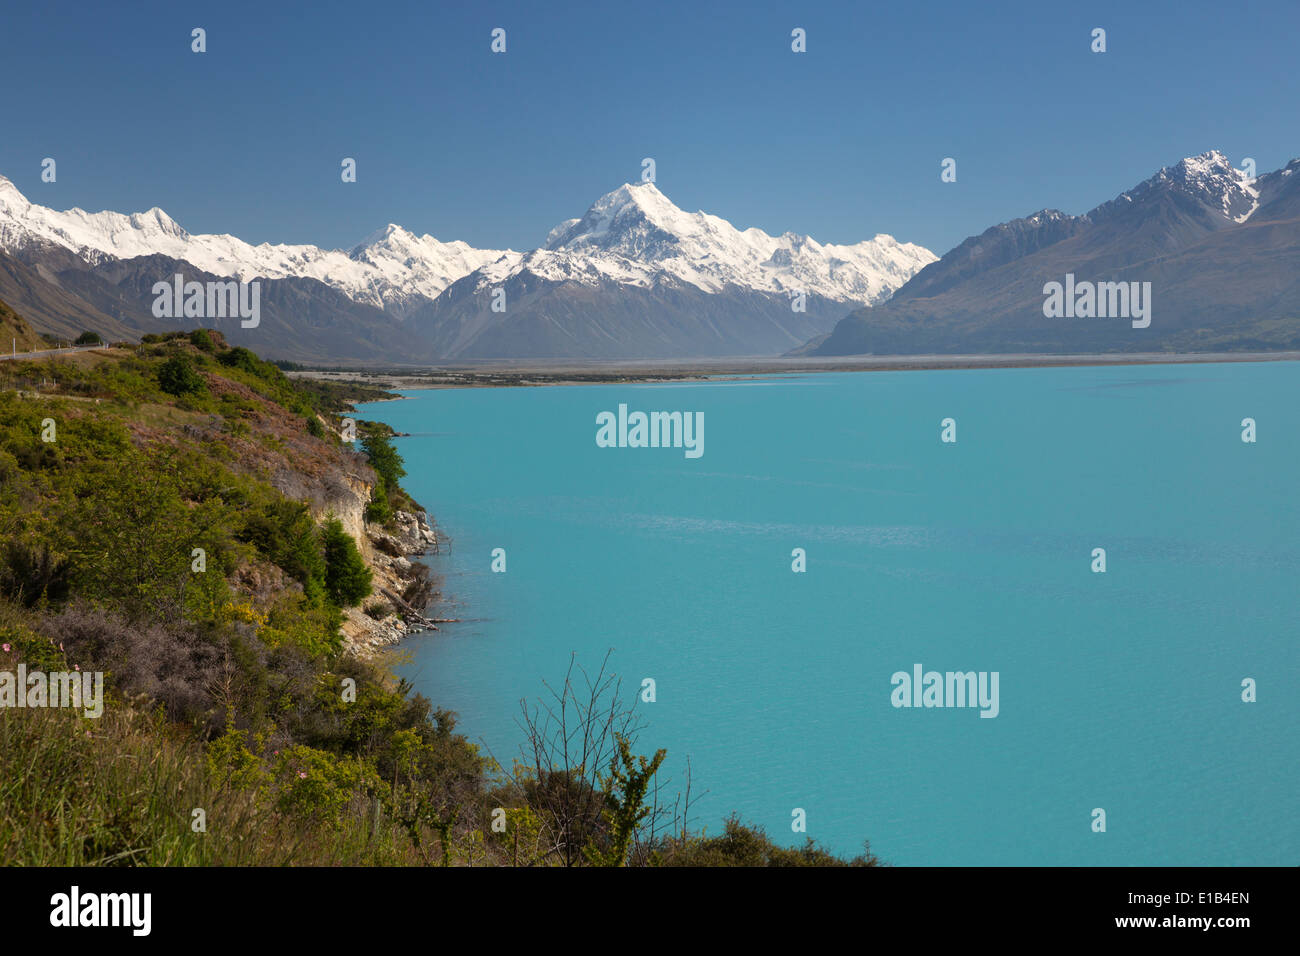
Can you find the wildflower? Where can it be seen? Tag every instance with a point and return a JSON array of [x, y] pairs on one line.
[[6, 647], [302, 774]]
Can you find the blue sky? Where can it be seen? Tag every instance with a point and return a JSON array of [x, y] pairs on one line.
[[840, 142]]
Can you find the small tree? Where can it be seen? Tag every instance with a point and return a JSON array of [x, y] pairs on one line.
[[383, 457], [89, 338], [177, 377], [285, 532], [625, 793], [379, 510], [347, 579], [583, 726]]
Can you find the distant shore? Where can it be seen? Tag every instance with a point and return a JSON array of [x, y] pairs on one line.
[[525, 373]]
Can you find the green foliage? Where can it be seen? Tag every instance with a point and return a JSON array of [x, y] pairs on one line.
[[379, 510], [121, 790], [158, 337], [741, 845], [31, 574], [347, 579], [36, 651], [177, 377], [88, 338], [383, 457], [202, 340], [314, 427], [284, 532], [232, 763], [318, 785], [241, 358], [131, 533], [312, 628], [625, 789]]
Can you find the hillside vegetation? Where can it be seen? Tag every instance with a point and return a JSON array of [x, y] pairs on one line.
[[184, 518]]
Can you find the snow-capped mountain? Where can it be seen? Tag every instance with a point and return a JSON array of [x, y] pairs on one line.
[[387, 270], [1209, 179], [1220, 252], [635, 276], [635, 236]]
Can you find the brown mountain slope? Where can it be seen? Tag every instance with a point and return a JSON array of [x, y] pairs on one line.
[[15, 333], [49, 307]]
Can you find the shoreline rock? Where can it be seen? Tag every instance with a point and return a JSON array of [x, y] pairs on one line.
[[389, 554]]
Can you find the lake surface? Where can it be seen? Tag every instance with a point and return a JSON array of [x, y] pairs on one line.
[[1119, 690]]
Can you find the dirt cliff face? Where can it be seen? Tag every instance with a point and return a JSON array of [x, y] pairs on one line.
[[343, 493]]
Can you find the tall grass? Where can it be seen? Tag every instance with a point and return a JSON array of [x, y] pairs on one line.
[[121, 790]]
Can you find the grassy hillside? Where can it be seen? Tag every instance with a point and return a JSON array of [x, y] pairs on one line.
[[186, 520]]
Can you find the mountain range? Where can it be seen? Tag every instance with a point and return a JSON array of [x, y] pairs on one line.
[[1220, 250], [634, 277]]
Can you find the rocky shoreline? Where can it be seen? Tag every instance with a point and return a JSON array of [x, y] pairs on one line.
[[390, 614], [402, 586]]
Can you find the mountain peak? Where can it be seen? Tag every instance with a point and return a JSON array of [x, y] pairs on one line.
[[1208, 179], [642, 194], [635, 235], [380, 235], [630, 206], [155, 218], [10, 195], [1206, 163]]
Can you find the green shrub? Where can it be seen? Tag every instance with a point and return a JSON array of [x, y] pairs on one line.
[[319, 786], [35, 650], [284, 532], [295, 621], [379, 510], [177, 377], [383, 457], [241, 358], [378, 610], [347, 579]]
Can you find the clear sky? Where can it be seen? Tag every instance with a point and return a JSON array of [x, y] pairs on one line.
[[840, 142]]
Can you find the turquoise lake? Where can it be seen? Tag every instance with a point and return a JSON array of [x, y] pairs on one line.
[[1119, 690]]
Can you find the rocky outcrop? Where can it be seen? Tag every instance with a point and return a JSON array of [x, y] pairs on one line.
[[334, 480], [386, 617]]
